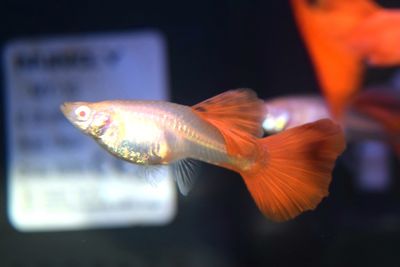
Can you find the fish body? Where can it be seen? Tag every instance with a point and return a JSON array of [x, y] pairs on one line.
[[156, 132], [225, 131], [291, 111]]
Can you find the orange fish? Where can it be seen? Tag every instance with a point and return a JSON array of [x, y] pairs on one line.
[[340, 36], [286, 174]]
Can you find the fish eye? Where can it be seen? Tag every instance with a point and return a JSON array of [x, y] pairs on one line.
[[82, 113]]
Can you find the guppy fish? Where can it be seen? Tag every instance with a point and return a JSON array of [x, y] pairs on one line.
[[372, 114], [286, 174]]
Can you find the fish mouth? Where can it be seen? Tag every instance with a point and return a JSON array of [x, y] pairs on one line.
[[66, 109], [63, 108]]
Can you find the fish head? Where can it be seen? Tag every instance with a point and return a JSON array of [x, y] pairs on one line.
[[276, 120], [90, 118]]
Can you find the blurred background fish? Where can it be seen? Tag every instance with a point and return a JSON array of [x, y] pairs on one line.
[[376, 37], [341, 36], [222, 131], [373, 114]]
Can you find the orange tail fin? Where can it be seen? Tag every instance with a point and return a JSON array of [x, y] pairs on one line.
[[325, 26], [295, 172], [291, 170], [378, 38]]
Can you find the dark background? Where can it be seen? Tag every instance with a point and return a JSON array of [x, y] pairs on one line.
[[212, 46]]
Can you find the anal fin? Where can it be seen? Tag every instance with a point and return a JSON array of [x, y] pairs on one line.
[[184, 173]]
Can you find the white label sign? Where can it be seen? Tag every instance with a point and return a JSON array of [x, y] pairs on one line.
[[59, 178]]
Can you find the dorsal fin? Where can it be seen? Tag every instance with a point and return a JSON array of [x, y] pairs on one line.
[[239, 110], [238, 115]]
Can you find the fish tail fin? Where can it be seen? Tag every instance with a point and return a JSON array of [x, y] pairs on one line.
[[286, 173], [324, 27], [382, 106], [293, 171], [377, 38]]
